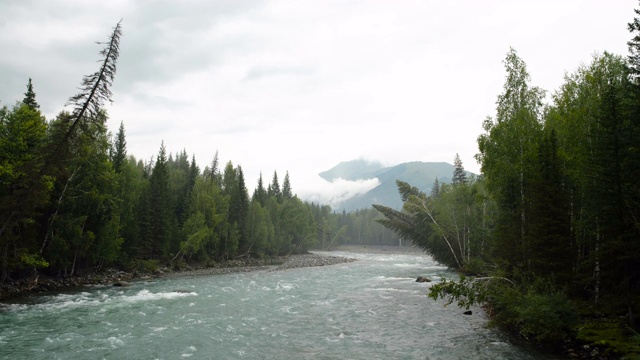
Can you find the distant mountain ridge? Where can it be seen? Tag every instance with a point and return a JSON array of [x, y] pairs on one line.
[[419, 174]]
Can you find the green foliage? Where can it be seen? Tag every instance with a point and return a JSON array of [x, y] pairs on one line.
[[536, 311], [466, 292], [450, 225], [545, 316], [195, 231], [119, 150], [506, 151], [71, 201], [145, 266], [459, 175], [30, 97], [33, 261], [612, 337]]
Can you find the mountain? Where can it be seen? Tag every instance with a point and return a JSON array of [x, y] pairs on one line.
[[353, 170], [419, 174]]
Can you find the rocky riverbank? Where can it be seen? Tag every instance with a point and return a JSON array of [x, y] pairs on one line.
[[374, 249], [17, 289]]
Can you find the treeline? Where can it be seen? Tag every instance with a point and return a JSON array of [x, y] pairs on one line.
[[552, 222], [91, 204], [451, 223], [73, 200]]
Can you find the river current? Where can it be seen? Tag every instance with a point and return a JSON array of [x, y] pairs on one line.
[[368, 309]]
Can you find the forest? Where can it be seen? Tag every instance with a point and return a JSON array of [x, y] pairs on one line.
[[72, 200], [548, 236]]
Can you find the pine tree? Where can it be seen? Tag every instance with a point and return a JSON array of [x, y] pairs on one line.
[[239, 208], [120, 149], [286, 187], [30, 97], [459, 175], [634, 46], [214, 171], [260, 193], [435, 189], [95, 88], [551, 253], [159, 207], [274, 188], [23, 134]]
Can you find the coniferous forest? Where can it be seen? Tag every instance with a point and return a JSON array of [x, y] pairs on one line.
[[548, 236], [72, 200]]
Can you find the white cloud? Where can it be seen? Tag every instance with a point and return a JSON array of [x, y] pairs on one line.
[[337, 191]]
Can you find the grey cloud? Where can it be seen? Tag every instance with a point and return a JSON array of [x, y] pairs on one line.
[[159, 101], [161, 41], [165, 39]]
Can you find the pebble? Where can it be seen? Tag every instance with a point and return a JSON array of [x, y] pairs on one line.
[[310, 260]]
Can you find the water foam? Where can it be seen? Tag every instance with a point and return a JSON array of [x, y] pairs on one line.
[[146, 295], [115, 342]]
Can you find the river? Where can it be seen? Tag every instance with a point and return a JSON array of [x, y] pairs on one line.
[[368, 309]]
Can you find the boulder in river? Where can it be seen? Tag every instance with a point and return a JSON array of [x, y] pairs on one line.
[[121, 283], [421, 279]]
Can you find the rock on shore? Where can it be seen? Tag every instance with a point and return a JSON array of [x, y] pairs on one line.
[[309, 260]]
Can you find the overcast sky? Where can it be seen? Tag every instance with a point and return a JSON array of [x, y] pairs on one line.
[[300, 86]]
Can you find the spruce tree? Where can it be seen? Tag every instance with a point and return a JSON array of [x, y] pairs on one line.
[[30, 97], [634, 46], [286, 187], [95, 88], [435, 189], [214, 171], [160, 207], [459, 175], [120, 149], [239, 208], [260, 193], [274, 188]]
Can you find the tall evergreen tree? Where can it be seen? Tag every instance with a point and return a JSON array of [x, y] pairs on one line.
[[95, 88], [157, 246], [459, 175], [634, 46], [274, 188], [260, 193], [435, 188], [287, 193], [30, 97], [552, 254], [214, 171], [239, 208], [120, 149], [23, 189]]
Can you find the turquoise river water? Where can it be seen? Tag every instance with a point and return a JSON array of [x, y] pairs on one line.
[[368, 309]]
